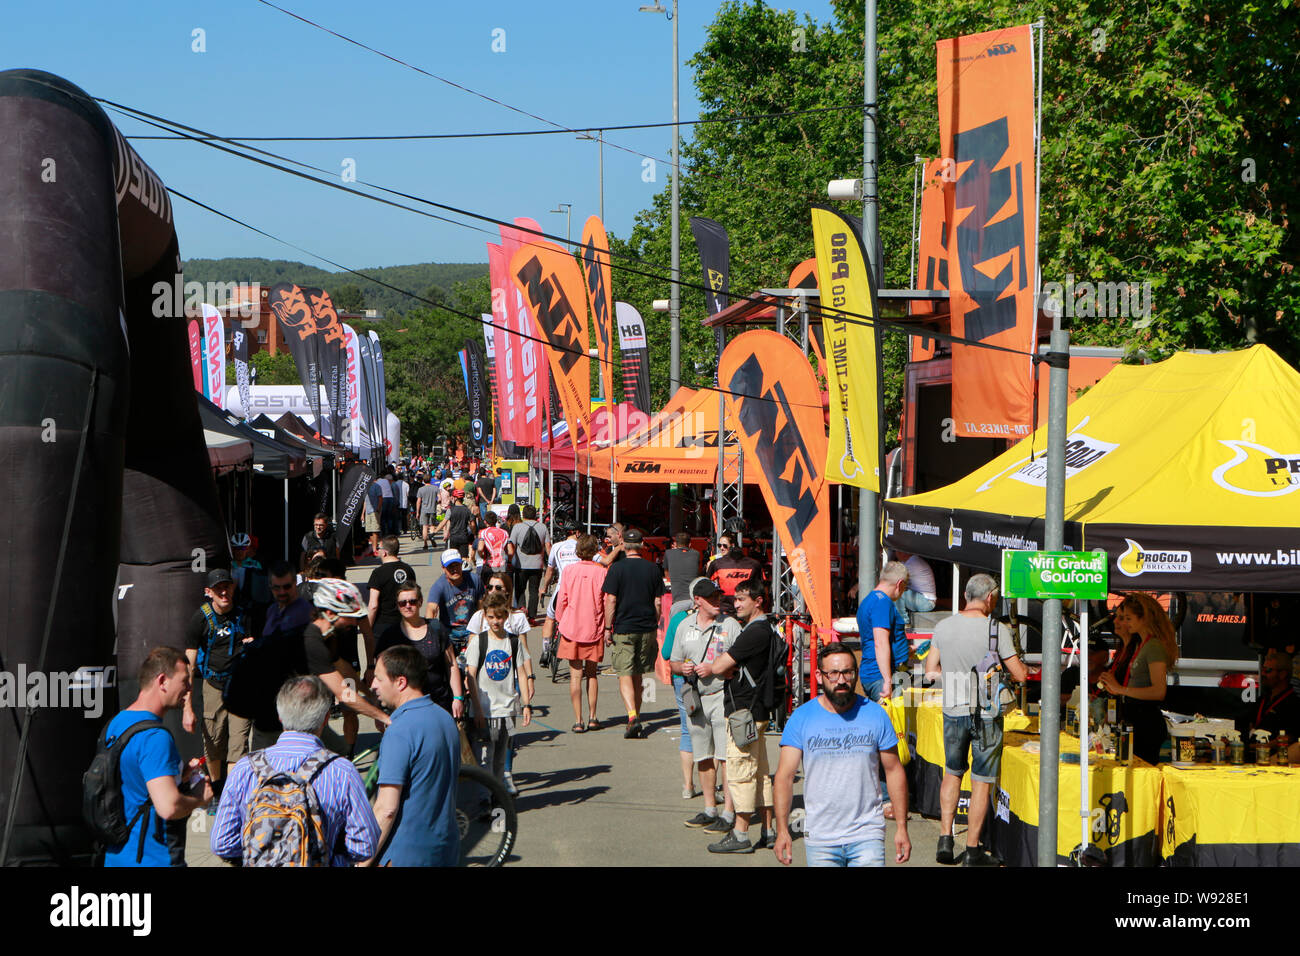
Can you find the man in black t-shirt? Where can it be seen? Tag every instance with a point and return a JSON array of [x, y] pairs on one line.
[[458, 526], [392, 574], [632, 591], [744, 665], [319, 541], [216, 636], [485, 491]]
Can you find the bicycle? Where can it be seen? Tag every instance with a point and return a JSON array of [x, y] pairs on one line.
[[486, 817]]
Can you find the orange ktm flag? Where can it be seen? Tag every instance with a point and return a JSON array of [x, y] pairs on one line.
[[600, 295], [986, 138], [551, 283], [775, 405], [932, 270]]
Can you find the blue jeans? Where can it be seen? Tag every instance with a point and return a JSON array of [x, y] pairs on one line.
[[872, 689], [911, 601], [862, 853], [685, 744]]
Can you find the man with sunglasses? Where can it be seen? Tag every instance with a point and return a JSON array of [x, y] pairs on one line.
[[729, 569], [454, 597], [843, 740]]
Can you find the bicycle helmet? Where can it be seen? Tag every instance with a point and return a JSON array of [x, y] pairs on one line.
[[240, 540], [337, 595]]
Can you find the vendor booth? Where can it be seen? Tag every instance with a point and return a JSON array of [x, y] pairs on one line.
[[1184, 473]]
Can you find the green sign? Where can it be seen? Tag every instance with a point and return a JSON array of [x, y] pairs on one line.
[[1054, 574]]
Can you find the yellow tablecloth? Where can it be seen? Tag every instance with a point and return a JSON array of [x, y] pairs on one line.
[[1230, 816]]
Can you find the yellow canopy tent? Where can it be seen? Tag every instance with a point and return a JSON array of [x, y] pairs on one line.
[[1185, 472]]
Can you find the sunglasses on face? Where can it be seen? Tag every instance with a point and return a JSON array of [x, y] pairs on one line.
[[496, 587], [409, 602]]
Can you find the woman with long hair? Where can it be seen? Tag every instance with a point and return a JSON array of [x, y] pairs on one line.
[[427, 636], [1143, 681]]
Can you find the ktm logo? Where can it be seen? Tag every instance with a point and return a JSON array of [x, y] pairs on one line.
[[642, 468], [1257, 470], [999, 49]]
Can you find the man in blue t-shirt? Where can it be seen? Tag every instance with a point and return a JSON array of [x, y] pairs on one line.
[[419, 760], [151, 766], [843, 740], [884, 641], [454, 598]]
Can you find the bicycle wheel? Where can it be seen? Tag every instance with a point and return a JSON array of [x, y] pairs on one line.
[[485, 817], [555, 660]]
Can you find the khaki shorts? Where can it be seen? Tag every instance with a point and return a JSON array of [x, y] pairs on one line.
[[372, 523], [225, 736], [747, 772], [635, 653], [709, 728]]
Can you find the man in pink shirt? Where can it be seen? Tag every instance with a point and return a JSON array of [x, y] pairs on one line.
[[494, 544], [580, 617]]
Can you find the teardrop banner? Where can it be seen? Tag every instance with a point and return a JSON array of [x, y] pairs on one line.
[[293, 311], [775, 406], [551, 283], [332, 349], [852, 351], [600, 295]]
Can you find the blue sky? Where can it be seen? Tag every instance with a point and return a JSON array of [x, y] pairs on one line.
[[581, 63]]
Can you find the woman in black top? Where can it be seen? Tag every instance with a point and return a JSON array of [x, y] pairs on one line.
[[429, 638]]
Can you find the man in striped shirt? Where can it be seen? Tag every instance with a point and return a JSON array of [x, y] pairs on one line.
[[351, 830]]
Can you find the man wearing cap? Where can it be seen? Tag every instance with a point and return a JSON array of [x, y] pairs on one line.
[[703, 636], [457, 526], [454, 597], [217, 635], [632, 591]]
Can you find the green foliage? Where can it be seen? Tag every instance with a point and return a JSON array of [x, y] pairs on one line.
[[348, 298], [1146, 130]]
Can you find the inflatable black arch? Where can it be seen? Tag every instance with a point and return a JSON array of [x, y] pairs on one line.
[[113, 509]]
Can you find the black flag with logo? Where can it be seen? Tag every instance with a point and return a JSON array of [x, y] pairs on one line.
[[239, 350], [356, 479], [479, 402], [293, 310], [715, 257]]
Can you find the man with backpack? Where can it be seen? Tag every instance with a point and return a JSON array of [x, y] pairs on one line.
[[749, 696], [958, 651], [532, 547], [134, 783], [217, 635], [295, 803]]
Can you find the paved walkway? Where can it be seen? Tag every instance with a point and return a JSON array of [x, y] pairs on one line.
[[596, 798]]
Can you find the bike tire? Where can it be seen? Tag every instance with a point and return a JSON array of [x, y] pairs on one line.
[[486, 818]]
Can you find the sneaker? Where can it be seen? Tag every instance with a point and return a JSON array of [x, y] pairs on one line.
[[944, 853], [701, 820], [978, 856], [510, 785], [765, 841], [688, 793], [730, 844], [630, 733], [719, 824]]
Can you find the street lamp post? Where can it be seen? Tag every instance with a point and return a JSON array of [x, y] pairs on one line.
[[566, 209], [600, 152]]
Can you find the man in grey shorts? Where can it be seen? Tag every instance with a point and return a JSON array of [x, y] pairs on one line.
[[960, 643], [702, 636]]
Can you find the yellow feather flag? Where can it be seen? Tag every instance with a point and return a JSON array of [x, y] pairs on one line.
[[848, 298]]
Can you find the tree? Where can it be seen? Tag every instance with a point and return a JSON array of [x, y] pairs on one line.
[[348, 298], [1168, 158]]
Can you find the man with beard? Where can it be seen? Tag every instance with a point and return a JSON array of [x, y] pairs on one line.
[[843, 740]]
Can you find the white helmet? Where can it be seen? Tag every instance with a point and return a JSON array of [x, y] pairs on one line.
[[337, 595], [240, 539]]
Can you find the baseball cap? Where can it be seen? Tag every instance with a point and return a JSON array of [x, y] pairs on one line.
[[632, 536], [452, 556], [705, 588], [219, 576]]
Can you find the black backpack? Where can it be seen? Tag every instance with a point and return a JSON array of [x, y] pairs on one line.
[[102, 805], [532, 543], [772, 689]]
